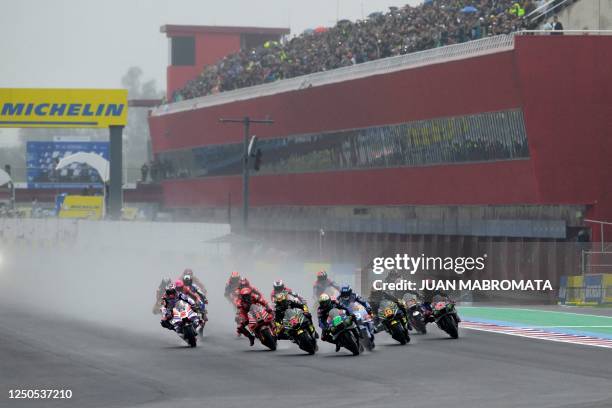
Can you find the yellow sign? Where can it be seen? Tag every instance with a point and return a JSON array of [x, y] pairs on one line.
[[83, 207], [71, 108]]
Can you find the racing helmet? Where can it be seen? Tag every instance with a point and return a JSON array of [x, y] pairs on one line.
[[245, 294], [179, 285], [244, 283], [187, 280], [321, 276], [346, 291], [278, 285], [324, 300], [234, 276], [171, 291], [188, 271]]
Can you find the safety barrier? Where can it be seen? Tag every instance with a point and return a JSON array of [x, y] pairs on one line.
[[587, 290]]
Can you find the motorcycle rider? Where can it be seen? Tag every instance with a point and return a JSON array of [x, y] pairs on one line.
[[231, 286], [284, 301], [195, 281], [347, 297], [161, 290], [244, 283], [376, 297], [323, 282], [426, 297], [168, 301], [243, 304], [326, 304], [280, 287], [201, 294]]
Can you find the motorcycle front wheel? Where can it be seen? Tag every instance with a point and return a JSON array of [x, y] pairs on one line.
[[268, 339]]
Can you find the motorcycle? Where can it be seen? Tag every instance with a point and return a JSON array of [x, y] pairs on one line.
[[344, 331], [394, 321], [365, 324], [415, 313], [300, 330], [261, 325], [185, 321], [445, 316]]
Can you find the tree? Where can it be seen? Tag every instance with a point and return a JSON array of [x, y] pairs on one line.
[[136, 133]]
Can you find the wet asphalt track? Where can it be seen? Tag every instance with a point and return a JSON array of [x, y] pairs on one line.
[[108, 367]]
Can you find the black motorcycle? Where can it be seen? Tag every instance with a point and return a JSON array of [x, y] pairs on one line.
[[299, 329], [394, 321], [344, 331]]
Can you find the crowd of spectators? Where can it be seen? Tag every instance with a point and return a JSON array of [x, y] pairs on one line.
[[400, 31]]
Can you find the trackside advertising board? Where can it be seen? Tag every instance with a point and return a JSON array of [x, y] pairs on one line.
[[65, 108], [81, 207], [42, 159]]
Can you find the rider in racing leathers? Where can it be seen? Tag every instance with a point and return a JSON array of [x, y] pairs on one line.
[[426, 297], [323, 282], [279, 287], [194, 279], [243, 304], [376, 297], [231, 286], [284, 301], [168, 301], [191, 287], [244, 283], [325, 305], [347, 297]]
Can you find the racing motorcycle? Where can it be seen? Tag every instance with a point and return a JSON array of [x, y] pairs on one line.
[[300, 330], [394, 321], [445, 316], [365, 324], [415, 313], [261, 325], [185, 321], [344, 331]]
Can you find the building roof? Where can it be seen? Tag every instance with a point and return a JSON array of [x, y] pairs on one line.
[[172, 30]]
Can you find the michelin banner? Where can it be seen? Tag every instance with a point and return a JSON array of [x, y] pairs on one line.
[[71, 108], [42, 159]]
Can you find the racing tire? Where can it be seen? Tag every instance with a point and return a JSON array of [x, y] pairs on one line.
[[399, 334], [190, 335], [449, 325], [307, 343], [268, 339]]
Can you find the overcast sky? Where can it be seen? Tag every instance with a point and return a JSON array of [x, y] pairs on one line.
[[91, 44]]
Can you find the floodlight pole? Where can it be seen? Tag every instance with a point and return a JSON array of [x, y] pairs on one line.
[[246, 122]]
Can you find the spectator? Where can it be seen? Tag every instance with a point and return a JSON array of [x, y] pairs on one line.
[[399, 31], [144, 172], [557, 26]]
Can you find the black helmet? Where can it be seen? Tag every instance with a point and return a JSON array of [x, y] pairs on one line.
[[346, 291]]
